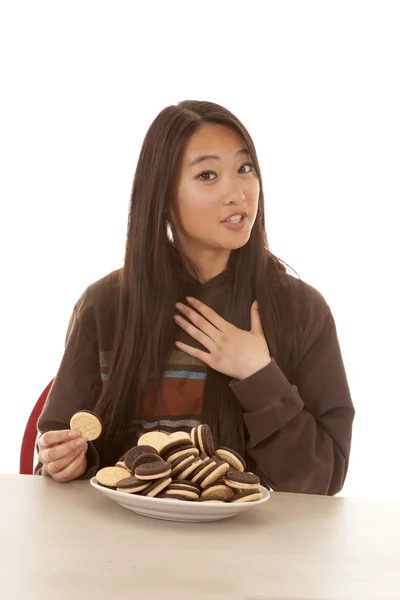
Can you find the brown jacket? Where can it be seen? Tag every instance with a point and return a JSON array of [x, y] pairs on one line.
[[299, 431]]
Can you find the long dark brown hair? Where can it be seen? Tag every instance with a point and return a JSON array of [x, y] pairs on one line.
[[156, 275]]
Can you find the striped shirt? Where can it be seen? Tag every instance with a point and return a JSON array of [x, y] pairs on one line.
[[181, 398]]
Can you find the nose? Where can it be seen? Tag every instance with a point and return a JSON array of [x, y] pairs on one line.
[[234, 194]]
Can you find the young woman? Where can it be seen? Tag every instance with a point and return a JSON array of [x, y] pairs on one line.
[[203, 324]]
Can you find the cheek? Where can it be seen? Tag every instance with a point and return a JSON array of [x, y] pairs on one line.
[[252, 196], [253, 192], [201, 199], [201, 210]]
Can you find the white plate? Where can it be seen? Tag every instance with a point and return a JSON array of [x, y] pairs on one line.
[[178, 510]]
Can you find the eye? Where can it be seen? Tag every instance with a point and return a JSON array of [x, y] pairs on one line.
[[248, 164], [205, 173]]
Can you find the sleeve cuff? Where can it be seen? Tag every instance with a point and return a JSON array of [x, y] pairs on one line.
[[264, 388]]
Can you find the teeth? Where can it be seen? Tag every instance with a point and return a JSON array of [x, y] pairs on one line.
[[235, 219]]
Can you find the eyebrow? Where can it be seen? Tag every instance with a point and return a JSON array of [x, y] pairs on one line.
[[203, 157]]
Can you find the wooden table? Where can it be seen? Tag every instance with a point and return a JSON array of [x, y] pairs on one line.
[[69, 542]]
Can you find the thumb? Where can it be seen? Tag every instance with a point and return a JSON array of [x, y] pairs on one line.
[[255, 319]]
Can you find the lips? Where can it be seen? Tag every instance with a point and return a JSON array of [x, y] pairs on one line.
[[241, 213]]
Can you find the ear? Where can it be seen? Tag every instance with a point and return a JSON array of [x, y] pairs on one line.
[[172, 223], [170, 234]]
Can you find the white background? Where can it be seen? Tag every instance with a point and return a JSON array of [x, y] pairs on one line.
[[316, 84]]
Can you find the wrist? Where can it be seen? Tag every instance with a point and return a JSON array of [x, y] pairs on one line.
[[252, 368]]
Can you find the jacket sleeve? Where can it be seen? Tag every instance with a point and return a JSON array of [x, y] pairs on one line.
[[77, 380], [299, 432]]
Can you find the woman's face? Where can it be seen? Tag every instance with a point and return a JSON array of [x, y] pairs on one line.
[[217, 193]]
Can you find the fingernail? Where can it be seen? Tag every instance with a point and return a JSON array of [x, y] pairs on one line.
[[73, 433], [190, 299], [256, 304], [80, 442], [179, 305]]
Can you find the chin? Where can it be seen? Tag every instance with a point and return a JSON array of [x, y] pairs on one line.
[[237, 243], [237, 246]]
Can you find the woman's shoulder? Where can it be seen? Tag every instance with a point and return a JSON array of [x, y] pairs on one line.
[[304, 298], [100, 296], [95, 311], [308, 294], [104, 288]]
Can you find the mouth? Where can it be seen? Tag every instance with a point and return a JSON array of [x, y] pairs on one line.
[[236, 222], [236, 217]]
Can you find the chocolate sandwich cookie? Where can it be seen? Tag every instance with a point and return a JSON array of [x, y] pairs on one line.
[[153, 470], [165, 496], [180, 463], [189, 450], [110, 476], [156, 487], [183, 491], [87, 423], [203, 439], [121, 464], [202, 470], [174, 446], [220, 489], [214, 499], [142, 459], [214, 474], [185, 483], [132, 454], [193, 437], [242, 481], [132, 485], [247, 496], [185, 469], [178, 435], [231, 457], [157, 439]]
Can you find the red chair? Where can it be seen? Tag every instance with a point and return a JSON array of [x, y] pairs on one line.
[[30, 434]]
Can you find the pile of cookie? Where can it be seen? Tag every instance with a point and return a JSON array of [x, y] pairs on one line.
[[184, 467]]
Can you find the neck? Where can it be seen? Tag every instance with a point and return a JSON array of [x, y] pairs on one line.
[[209, 263]]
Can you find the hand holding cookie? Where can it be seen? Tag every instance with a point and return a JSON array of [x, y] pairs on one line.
[[63, 454]]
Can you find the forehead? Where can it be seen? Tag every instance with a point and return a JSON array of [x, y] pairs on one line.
[[213, 139]]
